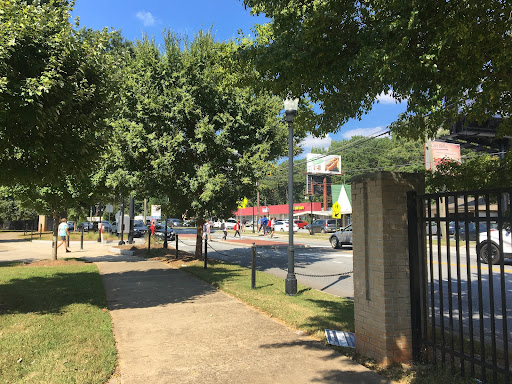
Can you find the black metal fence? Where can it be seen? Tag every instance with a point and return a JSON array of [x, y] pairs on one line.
[[461, 281]]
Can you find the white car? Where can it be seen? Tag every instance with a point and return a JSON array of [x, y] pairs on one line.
[[230, 223], [284, 226], [492, 251]]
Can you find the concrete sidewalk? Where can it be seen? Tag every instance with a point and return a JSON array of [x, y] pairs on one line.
[[173, 328]]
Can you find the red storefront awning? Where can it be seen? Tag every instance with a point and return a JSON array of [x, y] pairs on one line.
[[271, 210]]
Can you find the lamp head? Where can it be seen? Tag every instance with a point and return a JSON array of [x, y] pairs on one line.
[[290, 108]]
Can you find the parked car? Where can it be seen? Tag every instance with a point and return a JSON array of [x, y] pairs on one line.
[[284, 226], [301, 223], [189, 223], [139, 229], [230, 223], [323, 225], [71, 226], [107, 227], [432, 227], [174, 222], [472, 230], [160, 232], [86, 226], [490, 250], [248, 224], [341, 237]]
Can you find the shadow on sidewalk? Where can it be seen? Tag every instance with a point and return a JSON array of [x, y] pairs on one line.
[[152, 288]]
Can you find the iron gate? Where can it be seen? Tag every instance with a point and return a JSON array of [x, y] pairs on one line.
[[460, 303]]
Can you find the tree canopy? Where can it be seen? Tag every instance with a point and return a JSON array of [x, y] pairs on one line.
[[447, 59], [188, 129], [56, 91]]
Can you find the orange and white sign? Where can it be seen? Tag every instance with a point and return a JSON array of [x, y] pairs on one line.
[[437, 151]]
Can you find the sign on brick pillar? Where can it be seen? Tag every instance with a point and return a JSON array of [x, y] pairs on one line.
[[381, 264]]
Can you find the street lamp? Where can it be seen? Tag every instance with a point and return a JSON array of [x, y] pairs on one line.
[[290, 108], [311, 216]]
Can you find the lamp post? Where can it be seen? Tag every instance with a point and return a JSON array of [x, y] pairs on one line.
[[290, 108], [311, 216]]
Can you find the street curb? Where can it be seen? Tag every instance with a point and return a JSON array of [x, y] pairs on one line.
[[265, 245], [124, 252]]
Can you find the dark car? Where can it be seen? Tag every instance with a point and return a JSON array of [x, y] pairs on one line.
[[323, 225], [160, 232], [471, 234], [174, 222], [341, 237], [139, 229], [86, 226]]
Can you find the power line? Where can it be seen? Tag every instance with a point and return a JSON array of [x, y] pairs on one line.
[[338, 150]]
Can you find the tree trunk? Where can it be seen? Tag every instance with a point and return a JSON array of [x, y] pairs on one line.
[[199, 240], [55, 229]]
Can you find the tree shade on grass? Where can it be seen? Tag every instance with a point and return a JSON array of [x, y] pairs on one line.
[[54, 326]]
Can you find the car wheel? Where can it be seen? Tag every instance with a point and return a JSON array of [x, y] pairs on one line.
[[491, 253], [282, 229], [334, 242], [322, 230]]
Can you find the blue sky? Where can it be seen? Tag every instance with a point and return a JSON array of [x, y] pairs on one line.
[[226, 17]]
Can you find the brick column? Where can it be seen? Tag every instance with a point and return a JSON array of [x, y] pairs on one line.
[[382, 306]]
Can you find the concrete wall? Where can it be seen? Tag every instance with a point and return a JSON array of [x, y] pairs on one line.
[[381, 264]]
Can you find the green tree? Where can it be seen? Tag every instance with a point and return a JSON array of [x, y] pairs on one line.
[[447, 59], [11, 210], [485, 171], [56, 91], [361, 155], [190, 131]]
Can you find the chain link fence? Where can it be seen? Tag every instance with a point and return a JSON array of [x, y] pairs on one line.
[[273, 265]]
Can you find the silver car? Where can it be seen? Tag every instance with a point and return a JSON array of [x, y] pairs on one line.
[[341, 237]]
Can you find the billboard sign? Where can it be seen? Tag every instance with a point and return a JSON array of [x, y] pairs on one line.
[[437, 151], [323, 164], [156, 211]]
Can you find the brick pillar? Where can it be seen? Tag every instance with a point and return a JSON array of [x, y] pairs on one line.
[[382, 307]]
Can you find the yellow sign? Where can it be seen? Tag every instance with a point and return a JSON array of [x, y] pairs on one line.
[[336, 211], [242, 204]]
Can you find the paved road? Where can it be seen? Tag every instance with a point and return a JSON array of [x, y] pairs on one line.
[[467, 309], [317, 259]]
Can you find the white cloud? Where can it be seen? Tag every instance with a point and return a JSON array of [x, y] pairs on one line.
[[147, 18], [362, 132], [387, 98], [317, 142]]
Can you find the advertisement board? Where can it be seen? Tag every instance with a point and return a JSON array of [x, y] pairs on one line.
[[437, 151], [323, 164], [156, 211]]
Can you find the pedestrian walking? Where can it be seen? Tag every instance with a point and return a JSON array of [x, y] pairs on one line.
[[272, 227], [152, 227], [63, 231], [237, 229], [224, 229], [259, 224], [264, 224], [244, 221], [208, 230]]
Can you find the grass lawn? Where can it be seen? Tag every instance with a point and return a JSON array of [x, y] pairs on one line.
[[54, 326]]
